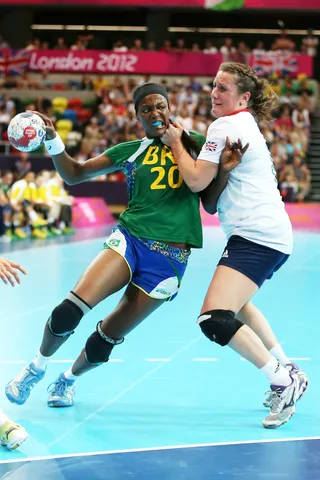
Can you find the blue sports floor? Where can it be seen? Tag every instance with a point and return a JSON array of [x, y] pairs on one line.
[[170, 405]]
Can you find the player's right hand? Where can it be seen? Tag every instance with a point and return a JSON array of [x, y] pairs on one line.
[[8, 271], [50, 131]]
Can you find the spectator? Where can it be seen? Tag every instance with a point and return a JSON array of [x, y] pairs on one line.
[[3, 43], [118, 46], [166, 47], [283, 42], [23, 165], [310, 42], [209, 48], [227, 49], [60, 45]]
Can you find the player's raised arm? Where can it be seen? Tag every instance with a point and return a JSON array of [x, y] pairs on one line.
[[71, 171]]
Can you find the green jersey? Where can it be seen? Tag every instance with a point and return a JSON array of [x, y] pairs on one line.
[[161, 206]]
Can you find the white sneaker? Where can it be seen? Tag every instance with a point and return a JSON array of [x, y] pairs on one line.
[[12, 435], [304, 382], [283, 403]]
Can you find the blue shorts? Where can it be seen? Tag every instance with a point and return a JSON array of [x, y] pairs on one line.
[[156, 268], [255, 261]]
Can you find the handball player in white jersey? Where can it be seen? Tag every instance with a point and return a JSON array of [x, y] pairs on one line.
[[258, 230]]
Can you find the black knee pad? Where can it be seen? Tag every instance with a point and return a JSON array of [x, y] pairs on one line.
[[64, 318], [219, 325], [99, 346]]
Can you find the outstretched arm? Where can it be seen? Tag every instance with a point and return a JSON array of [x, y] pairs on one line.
[[70, 170], [230, 158]]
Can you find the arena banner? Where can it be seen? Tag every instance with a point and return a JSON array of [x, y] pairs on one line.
[[282, 64], [101, 61], [15, 62], [91, 212], [224, 4], [303, 216], [284, 4], [142, 3]]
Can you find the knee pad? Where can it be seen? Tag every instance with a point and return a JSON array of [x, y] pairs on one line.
[[99, 346], [65, 318], [219, 325]]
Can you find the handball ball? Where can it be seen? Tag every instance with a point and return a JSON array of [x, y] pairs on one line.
[[26, 132]]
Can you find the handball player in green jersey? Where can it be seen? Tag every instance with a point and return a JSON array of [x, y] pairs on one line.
[[147, 251]]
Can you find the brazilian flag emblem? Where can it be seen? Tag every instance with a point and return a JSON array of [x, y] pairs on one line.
[[113, 242]]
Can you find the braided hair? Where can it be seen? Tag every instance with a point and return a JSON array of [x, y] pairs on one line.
[[263, 99]]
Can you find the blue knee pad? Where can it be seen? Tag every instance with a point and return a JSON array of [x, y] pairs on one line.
[[99, 346], [219, 325]]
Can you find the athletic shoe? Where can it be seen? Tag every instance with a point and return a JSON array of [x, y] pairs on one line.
[[283, 403], [293, 368], [19, 389], [62, 392], [12, 435]]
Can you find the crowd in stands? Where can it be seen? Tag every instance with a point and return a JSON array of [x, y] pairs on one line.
[[33, 205], [237, 51], [111, 119]]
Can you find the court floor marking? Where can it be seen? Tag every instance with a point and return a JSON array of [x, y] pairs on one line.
[[126, 390], [149, 360], [158, 449]]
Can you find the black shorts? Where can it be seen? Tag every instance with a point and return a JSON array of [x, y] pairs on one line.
[[255, 261]]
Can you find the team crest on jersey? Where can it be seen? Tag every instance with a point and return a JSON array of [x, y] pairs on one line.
[[210, 146]]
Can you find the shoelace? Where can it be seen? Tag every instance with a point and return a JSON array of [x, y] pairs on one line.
[[270, 392], [276, 401], [58, 388], [27, 380]]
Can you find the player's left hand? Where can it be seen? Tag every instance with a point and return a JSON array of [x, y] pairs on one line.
[[231, 155], [8, 271], [173, 134]]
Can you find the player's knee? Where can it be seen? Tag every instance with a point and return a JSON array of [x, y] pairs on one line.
[[65, 318], [99, 346], [219, 325]]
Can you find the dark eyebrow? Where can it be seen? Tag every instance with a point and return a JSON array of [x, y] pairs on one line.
[[157, 102]]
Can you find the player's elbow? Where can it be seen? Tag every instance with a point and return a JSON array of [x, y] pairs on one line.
[[196, 185], [209, 208]]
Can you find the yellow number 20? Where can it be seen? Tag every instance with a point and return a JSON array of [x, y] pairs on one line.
[[156, 185]]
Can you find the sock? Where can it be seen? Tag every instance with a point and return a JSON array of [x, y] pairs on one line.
[[41, 362], [69, 375], [33, 216], [279, 354], [3, 418], [276, 373]]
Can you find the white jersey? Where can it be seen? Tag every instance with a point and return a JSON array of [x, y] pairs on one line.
[[251, 205]]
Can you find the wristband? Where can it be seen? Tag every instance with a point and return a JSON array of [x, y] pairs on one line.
[[55, 146]]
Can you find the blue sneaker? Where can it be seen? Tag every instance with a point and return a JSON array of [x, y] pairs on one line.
[[62, 392], [19, 389]]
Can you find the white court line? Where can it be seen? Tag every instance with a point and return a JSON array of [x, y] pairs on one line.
[[205, 359], [158, 449], [301, 359], [126, 390], [20, 362]]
